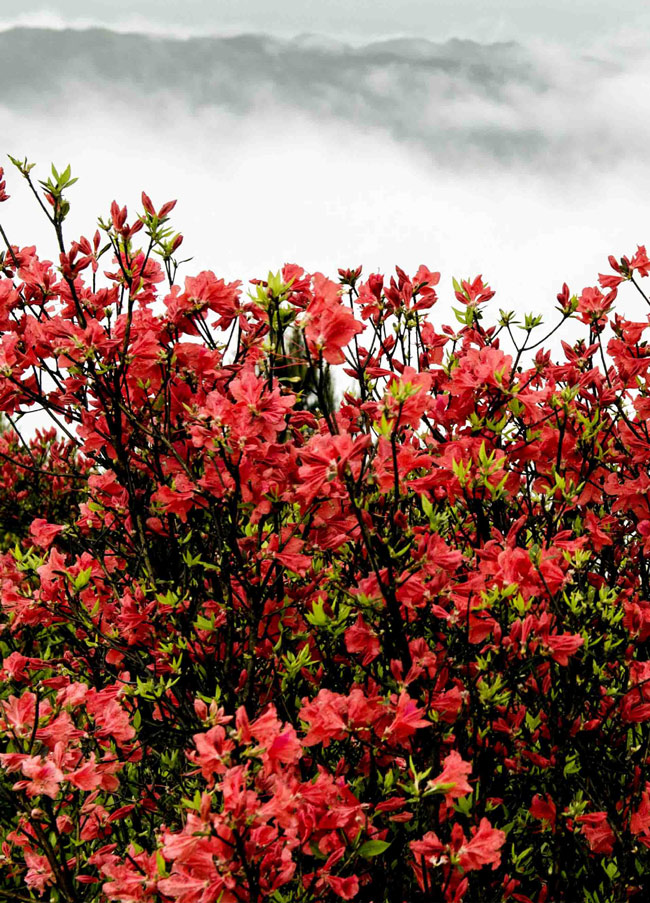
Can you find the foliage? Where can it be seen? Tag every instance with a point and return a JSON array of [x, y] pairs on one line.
[[257, 646]]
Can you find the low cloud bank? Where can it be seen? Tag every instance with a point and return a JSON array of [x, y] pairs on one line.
[[461, 103], [513, 161]]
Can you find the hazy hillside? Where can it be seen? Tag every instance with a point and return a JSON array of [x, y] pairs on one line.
[[445, 97], [526, 162]]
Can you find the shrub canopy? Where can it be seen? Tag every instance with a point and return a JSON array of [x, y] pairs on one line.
[[258, 645]]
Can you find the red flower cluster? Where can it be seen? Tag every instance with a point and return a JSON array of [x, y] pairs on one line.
[[260, 645]]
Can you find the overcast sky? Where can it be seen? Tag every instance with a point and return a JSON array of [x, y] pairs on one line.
[[485, 20], [525, 161]]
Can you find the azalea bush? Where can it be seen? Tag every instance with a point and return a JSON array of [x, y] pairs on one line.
[[260, 645]]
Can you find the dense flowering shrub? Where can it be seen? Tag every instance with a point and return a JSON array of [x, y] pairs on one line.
[[257, 646]]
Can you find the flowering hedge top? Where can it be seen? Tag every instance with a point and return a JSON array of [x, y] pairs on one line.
[[260, 646]]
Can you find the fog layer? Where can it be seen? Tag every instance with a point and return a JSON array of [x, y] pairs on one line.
[[523, 162]]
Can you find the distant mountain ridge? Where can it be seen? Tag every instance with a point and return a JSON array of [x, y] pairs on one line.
[[101, 48], [441, 96], [108, 55]]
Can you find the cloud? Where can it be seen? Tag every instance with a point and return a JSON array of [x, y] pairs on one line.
[[512, 161], [574, 24], [461, 103], [131, 23]]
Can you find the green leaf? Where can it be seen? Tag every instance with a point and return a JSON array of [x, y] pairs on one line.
[[193, 803], [316, 851], [373, 848], [317, 616], [82, 579]]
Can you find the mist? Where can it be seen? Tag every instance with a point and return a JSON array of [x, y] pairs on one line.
[[510, 160]]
